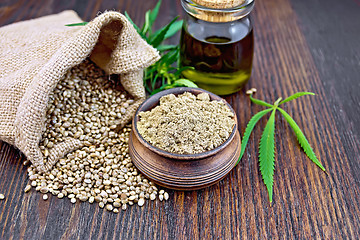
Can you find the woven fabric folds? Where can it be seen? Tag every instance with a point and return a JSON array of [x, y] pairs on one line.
[[35, 55]]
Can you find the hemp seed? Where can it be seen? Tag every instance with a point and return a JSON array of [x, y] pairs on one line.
[[87, 106], [45, 197], [109, 207], [27, 188], [141, 202], [166, 196]]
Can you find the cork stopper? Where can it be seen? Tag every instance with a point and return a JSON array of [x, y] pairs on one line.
[[219, 4], [217, 10]]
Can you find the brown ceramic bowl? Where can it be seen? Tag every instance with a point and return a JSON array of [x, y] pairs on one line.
[[183, 171], [154, 100]]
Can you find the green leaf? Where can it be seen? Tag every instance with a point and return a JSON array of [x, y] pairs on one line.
[[174, 29], [153, 81], [134, 25], [186, 83], [295, 96], [163, 48], [179, 71], [173, 56], [250, 126], [163, 87], [170, 57], [145, 28], [260, 102], [159, 37], [267, 154], [164, 58], [302, 139], [155, 91], [154, 13], [150, 70], [77, 24]]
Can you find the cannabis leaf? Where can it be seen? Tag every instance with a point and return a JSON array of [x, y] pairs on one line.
[[165, 73], [302, 139], [267, 143], [295, 96], [135, 26], [185, 82], [249, 129], [267, 154], [154, 13]]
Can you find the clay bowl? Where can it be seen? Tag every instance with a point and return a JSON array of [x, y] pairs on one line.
[[183, 171]]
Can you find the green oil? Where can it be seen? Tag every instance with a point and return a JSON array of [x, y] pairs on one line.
[[221, 65]]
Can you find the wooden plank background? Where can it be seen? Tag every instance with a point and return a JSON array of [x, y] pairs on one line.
[[300, 45]]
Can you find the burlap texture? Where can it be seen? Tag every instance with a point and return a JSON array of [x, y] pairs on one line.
[[35, 55]]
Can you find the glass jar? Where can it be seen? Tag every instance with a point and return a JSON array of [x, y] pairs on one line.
[[217, 42]]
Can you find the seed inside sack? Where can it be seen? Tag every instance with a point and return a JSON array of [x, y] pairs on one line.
[[87, 106], [84, 105]]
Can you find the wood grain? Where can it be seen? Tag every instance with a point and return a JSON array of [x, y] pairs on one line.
[[308, 204]]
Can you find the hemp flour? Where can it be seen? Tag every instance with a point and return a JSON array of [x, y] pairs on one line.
[[187, 124]]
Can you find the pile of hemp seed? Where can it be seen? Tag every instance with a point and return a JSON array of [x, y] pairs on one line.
[[87, 106]]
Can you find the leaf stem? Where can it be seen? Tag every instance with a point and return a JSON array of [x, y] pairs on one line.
[[260, 102], [276, 103]]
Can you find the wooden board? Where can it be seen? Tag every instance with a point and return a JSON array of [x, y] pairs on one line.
[[299, 45]]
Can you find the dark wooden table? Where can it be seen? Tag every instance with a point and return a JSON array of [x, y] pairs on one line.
[[300, 45]]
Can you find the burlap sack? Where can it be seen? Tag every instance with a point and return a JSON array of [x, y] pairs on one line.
[[35, 55]]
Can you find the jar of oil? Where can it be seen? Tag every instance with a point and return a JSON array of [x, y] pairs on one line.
[[217, 42]]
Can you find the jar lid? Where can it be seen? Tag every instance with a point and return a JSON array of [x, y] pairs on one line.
[[219, 4], [218, 10]]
